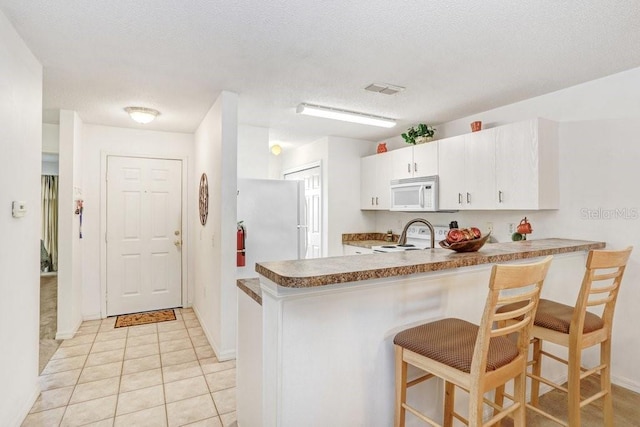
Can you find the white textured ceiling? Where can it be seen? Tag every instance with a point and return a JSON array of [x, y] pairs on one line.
[[455, 57]]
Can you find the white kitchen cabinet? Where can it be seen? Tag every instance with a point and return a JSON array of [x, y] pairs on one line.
[[527, 165], [467, 171], [374, 182], [355, 250], [415, 161], [451, 180], [514, 166], [480, 172]]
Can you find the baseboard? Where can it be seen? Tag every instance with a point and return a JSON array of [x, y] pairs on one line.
[[221, 355], [626, 383], [26, 407], [95, 316], [67, 335]]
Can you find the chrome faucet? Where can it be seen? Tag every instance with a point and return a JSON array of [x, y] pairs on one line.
[[403, 237]]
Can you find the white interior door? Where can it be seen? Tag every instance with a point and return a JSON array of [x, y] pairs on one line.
[[144, 235], [312, 178]]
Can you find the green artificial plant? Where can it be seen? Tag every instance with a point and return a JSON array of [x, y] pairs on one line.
[[418, 131]]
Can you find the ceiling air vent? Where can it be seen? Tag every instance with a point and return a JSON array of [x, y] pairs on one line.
[[385, 88]]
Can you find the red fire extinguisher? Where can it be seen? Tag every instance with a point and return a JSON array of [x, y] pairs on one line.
[[240, 237]]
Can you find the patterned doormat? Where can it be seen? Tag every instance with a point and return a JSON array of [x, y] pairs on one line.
[[144, 318]]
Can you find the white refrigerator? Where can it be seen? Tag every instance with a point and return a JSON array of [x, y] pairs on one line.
[[273, 213]]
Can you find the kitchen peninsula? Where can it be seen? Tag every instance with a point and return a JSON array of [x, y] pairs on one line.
[[319, 351]]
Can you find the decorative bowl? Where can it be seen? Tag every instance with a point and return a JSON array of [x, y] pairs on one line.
[[466, 246]]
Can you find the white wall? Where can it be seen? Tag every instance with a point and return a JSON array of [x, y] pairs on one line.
[[215, 296], [253, 152], [70, 248], [343, 173], [50, 148], [50, 138], [599, 153], [340, 163], [21, 124], [98, 140]]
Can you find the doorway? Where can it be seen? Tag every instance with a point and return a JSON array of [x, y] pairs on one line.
[[144, 234], [48, 260], [312, 177]]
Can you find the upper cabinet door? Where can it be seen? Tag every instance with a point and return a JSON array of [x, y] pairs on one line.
[[374, 182], [425, 159], [451, 184], [402, 163], [480, 170], [527, 165]]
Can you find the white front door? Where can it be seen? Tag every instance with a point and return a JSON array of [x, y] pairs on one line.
[[144, 235]]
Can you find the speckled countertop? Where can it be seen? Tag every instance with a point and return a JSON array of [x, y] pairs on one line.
[[251, 287], [326, 271], [366, 240]]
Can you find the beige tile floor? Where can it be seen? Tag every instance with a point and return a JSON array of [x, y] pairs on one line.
[[161, 374]]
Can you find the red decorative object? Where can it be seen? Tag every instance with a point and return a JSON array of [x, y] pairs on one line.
[[525, 226], [476, 126], [382, 147]]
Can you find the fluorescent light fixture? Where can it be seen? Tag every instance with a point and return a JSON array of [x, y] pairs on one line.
[[344, 115], [276, 149], [141, 114]]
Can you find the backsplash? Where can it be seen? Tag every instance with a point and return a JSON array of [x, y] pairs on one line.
[[543, 222]]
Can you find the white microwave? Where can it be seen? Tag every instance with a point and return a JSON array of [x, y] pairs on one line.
[[415, 194]]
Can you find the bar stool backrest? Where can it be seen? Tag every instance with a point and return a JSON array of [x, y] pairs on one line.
[[509, 284], [600, 287]]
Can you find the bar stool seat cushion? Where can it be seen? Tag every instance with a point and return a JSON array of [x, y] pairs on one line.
[[557, 317], [452, 341]]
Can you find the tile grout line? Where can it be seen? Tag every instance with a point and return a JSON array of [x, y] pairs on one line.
[[164, 389], [124, 352], [79, 374]]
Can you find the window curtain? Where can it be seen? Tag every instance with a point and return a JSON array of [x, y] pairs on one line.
[[49, 231]]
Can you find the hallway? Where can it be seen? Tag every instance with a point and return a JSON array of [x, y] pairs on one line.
[[161, 374], [48, 318]]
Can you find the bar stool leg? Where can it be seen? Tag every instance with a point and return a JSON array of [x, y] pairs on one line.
[[574, 385], [536, 370], [605, 382], [475, 409], [449, 399], [401, 388], [519, 394], [498, 400]]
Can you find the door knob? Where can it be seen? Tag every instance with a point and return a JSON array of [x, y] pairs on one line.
[[178, 243]]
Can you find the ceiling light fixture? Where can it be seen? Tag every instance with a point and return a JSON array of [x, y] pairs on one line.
[[344, 115], [276, 149], [141, 114]]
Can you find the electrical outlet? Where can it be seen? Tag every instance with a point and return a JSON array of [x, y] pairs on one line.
[[512, 228], [489, 227]]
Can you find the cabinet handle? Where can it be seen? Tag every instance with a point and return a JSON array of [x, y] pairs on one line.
[[499, 196], [408, 167], [415, 167], [372, 201], [459, 198], [376, 201], [468, 197]]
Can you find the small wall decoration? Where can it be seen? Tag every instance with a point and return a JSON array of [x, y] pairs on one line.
[[204, 199]]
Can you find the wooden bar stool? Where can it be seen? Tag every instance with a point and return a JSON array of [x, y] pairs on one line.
[[475, 358], [577, 329]]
